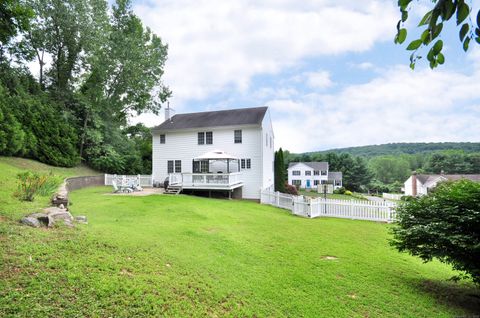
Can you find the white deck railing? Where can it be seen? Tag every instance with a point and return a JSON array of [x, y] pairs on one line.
[[319, 207], [205, 179], [125, 180]]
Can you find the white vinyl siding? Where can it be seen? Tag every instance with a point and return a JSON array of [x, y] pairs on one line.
[[184, 145]]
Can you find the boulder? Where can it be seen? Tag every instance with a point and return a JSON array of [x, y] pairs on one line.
[[30, 221], [81, 219], [43, 218], [57, 213]]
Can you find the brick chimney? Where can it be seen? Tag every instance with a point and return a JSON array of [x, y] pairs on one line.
[[414, 184]]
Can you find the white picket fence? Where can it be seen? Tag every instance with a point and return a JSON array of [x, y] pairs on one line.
[[143, 180], [319, 207]]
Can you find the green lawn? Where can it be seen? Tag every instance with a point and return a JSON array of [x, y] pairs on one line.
[[188, 256], [315, 194], [10, 207]]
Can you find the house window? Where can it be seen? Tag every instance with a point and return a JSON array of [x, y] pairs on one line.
[[316, 173], [201, 138], [338, 183], [308, 173], [297, 182], [204, 166], [295, 172], [242, 163], [324, 172], [237, 136], [205, 138], [209, 137], [170, 166], [324, 181], [315, 182], [249, 163], [162, 139], [178, 166]]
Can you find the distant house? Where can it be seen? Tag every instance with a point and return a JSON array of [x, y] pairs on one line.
[[229, 150], [307, 175], [421, 184]]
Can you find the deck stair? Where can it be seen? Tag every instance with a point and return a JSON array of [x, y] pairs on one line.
[[172, 189]]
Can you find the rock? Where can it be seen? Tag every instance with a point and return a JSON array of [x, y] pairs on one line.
[[43, 218], [61, 206], [68, 223], [57, 213], [30, 221], [63, 215], [81, 219]]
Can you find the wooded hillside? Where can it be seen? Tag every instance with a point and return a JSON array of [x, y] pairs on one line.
[[71, 74]]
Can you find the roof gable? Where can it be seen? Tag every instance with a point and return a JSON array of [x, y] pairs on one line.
[[314, 165], [232, 117]]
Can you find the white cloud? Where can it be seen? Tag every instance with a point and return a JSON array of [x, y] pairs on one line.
[[218, 44], [318, 79], [397, 106]]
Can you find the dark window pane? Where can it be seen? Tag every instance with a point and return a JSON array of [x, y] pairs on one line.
[[178, 166], [243, 163], [249, 163], [162, 139], [201, 138], [209, 137], [238, 136], [170, 166]]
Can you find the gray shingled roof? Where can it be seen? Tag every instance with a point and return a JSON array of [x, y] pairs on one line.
[[232, 117], [423, 178], [314, 165], [335, 175]]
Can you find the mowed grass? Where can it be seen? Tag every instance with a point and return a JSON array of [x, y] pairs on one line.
[[335, 196], [180, 256]]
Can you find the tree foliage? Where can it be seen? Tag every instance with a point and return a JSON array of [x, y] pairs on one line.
[[444, 224], [432, 24], [97, 67], [279, 169]]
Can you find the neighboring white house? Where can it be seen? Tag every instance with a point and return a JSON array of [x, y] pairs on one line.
[[421, 184], [309, 175], [227, 150]]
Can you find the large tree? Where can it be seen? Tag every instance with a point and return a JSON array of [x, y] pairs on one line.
[[432, 24]]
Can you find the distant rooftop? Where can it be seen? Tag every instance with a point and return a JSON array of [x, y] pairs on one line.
[[318, 165], [424, 178], [232, 117]]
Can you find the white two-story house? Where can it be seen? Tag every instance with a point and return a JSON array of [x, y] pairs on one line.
[[308, 175], [227, 150]]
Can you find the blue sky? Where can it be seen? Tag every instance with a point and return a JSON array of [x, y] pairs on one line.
[[328, 70]]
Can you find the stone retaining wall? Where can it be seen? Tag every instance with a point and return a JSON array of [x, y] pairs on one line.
[[75, 183]]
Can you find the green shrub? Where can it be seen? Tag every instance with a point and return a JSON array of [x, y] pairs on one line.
[[339, 191], [32, 184], [347, 192], [445, 224], [29, 184]]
